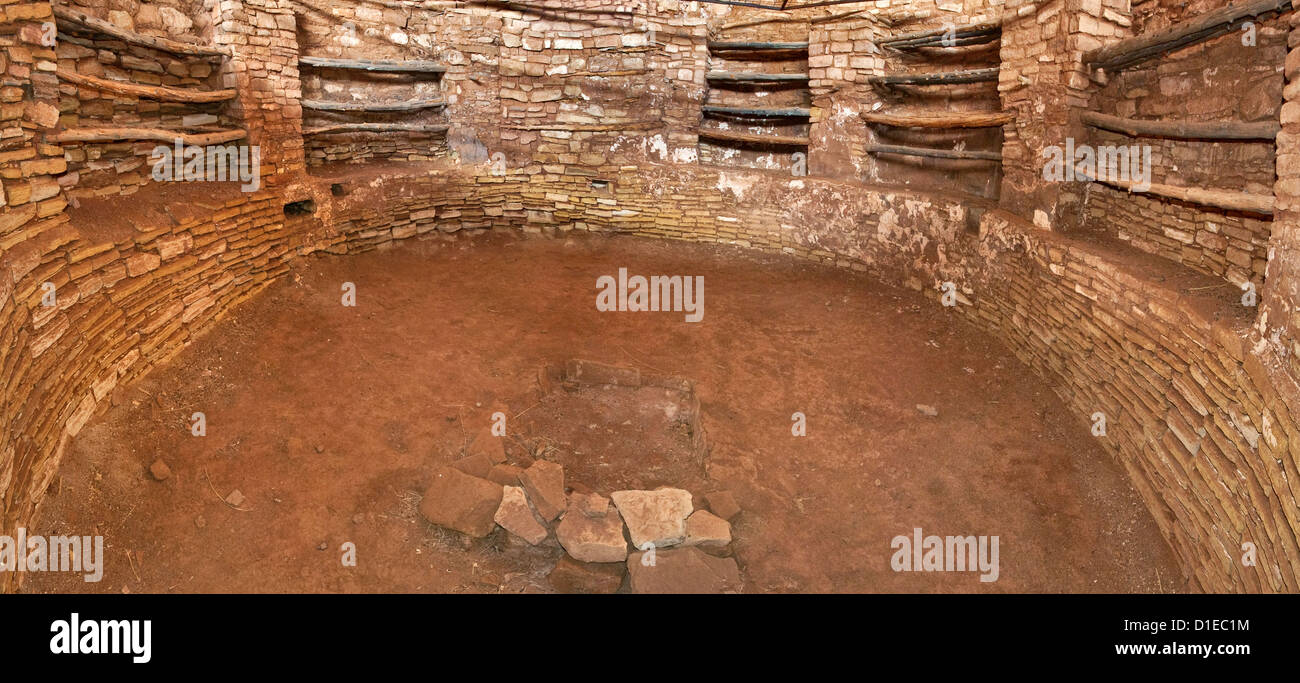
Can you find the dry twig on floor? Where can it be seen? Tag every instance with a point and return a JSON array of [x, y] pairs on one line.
[[208, 477]]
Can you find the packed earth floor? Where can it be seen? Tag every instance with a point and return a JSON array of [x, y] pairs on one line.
[[328, 419]]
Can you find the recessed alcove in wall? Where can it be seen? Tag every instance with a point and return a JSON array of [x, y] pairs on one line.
[[926, 128], [756, 111], [124, 93], [365, 96], [302, 207], [1202, 149]]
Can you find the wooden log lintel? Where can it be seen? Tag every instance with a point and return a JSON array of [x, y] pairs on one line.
[[943, 43], [944, 78], [151, 92], [603, 74], [962, 32], [934, 153], [404, 66], [375, 128], [1227, 200], [1184, 130], [88, 23], [121, 133], [408, 105], [761, 113], [725, 46], [588, 127], [941, 120], [727, 76], [752, 138], [1139, 48]]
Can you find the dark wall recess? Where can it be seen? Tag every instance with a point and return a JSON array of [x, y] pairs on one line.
[[305, 207]]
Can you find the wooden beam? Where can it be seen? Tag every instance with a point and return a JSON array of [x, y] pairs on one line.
[[1220, 199], [731, 77], [150, 92], [405, 66], [116, 133], [760, 113], [758, 47], [86, 22], [735, 45], [934, 153], [835, 17], [1130, 51], [589, 127], [1184, 130], [602, 74], [944, 120], [943, 78], [784, 19], [375, 128], [408, 105], [751, 138], [941, 43], [963, 32]]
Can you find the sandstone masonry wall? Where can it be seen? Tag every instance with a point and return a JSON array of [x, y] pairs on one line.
[[1200, 396]]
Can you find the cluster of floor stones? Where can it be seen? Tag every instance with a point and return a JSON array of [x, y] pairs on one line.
[[647, 541], [656, 540]]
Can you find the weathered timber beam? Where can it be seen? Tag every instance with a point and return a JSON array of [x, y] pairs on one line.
[[151, 92], [588, 127], [945, 120], [407, 66], [742, 3], [408, 105], [732, 77], [1130, 51], [724, 46], [934, 153], [947, 78], [760, 22], [1186, 130], [114, 134], [760, 113], [736, 136], [1228, 200], [835, 17], [86, 22], [963, 32], [603, 74], [375, 128], [941, 43]]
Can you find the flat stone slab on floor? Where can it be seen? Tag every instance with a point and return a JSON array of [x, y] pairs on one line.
[[572, 576], [593, 539], [461, 502], [544, 482], [683, 570], [707, 530], [654, 518], [517, 516]]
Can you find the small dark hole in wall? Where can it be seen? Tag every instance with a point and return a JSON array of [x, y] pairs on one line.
[[305, 207], [336, 189], [973, 216], [601, 186]]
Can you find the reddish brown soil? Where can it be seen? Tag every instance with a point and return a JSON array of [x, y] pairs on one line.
[[329, 419], [613, 438]]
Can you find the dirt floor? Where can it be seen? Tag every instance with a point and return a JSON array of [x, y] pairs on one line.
[[329, 420]]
